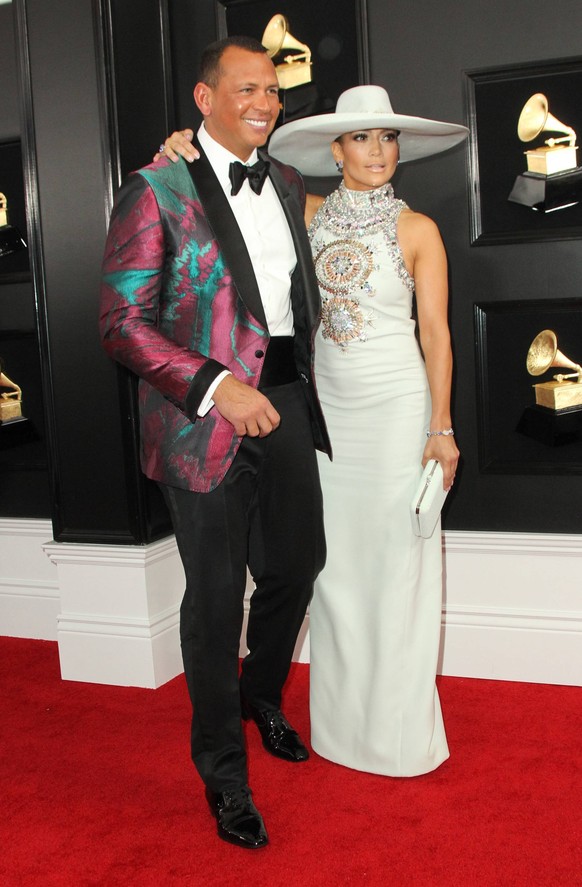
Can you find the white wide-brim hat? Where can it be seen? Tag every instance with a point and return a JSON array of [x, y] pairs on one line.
[[306, 143]]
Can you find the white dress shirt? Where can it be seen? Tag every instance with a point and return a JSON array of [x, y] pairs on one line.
[[268, 239]]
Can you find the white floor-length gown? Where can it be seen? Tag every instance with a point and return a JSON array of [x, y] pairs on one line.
[[376, 612]]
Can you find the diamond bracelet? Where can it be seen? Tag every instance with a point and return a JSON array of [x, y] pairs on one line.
[[448, 432]]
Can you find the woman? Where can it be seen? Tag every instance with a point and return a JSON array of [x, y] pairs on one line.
[[375, 616]]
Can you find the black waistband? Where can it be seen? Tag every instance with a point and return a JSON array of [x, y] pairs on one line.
[[279, 366]]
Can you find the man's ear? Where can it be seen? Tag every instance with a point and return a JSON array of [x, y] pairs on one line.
[[203, 98]]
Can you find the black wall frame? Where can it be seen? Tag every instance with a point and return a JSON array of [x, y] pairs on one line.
[[504, 332], [495, 98], [336, 35], [15, 266]]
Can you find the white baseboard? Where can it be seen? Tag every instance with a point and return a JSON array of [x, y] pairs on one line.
[[29, 588], [119, 615], [512, 608]]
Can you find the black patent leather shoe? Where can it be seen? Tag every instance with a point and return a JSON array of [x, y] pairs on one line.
[[239, 821], [279, 737]]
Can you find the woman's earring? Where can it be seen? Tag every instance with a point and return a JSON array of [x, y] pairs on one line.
[[340, 165]]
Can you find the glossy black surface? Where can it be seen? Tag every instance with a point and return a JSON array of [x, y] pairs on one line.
[[279, 737], [238, 820]]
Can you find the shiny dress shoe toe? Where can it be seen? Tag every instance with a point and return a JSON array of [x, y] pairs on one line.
[[279, 737], [239, 821]]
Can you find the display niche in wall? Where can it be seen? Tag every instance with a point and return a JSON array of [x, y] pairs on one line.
[[23, 457]]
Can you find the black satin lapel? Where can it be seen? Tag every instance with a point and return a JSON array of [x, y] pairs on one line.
[[227, 232], [296, 220]]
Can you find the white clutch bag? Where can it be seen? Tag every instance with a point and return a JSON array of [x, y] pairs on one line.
[[428, 500]]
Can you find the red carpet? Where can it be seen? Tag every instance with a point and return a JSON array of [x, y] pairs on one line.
[[98, 789]]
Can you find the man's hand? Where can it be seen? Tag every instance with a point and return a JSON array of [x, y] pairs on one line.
[[246, 408], [178, 145]]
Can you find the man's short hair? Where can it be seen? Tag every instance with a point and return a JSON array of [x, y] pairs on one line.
[[209, 72]]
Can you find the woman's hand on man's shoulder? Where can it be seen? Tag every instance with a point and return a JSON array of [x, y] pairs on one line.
[[179, 145]]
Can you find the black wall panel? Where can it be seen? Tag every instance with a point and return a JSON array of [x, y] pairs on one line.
[[24, 478], [97, 491], [419, 52], [109, 79]]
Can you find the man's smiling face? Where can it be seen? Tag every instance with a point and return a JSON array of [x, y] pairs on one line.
[[240, 111]]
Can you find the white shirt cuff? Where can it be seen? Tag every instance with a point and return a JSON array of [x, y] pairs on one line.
[[207, 403]]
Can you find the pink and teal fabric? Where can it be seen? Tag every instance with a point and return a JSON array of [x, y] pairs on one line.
[[180, 303]]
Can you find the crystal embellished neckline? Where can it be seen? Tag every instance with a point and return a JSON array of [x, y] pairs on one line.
[[354, 213]]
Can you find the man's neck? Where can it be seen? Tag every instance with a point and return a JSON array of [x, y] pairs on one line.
[[218, 150]]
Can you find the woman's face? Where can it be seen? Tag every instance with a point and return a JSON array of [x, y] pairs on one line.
[[369, 157]]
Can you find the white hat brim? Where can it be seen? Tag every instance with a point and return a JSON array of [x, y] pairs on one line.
[[306, 143]]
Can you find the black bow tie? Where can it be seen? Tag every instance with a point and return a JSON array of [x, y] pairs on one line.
[[256, 175]]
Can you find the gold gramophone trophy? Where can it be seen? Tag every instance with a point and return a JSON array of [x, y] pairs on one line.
[[565, 390], [553, 179], [10, 238], [294, 70], [556, 417], [10, 400]]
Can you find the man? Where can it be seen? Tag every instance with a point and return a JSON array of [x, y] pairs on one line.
[[209, 296]]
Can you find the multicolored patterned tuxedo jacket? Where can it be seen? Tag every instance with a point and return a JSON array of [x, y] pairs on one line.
[[180, 303]]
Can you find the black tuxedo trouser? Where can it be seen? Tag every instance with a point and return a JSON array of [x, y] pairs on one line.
[[267, 514]]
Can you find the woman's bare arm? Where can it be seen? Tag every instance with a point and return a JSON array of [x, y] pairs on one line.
[[425, 258]]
